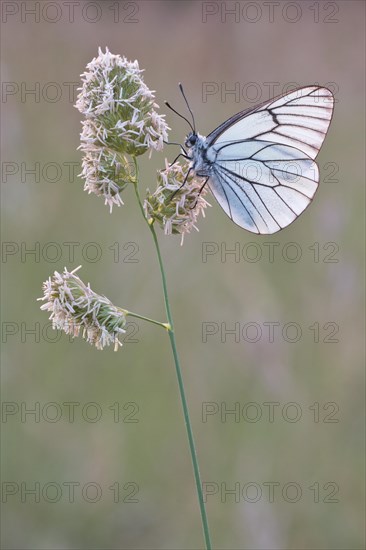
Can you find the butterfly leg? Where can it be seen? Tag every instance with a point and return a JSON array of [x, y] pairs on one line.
[[175, 143], [177, 157], [200, 191], [185, 155], [183, 184]]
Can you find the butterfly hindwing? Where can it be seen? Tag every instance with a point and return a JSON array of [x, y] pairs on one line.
[[266, 192]]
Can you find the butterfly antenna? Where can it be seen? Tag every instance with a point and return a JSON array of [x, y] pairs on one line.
[[189, 109], [181, 116]]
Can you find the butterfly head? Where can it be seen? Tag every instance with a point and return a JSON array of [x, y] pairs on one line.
[[191, 140]]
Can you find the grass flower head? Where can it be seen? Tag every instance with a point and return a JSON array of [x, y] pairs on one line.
[[174, 206], [75, 308], [114, 95], [107, 174]]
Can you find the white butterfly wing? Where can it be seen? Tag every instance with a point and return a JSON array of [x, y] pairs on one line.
[[263, 174], [267, 191]]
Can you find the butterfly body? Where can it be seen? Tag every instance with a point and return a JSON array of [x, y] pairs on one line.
[[199, 153], [260, 163]]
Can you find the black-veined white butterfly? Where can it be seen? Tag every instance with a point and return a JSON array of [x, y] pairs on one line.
[[259, 164]]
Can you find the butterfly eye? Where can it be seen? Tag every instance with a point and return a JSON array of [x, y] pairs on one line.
[[191, 140]]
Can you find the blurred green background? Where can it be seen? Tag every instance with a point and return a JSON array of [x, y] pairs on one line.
[[322, 453]]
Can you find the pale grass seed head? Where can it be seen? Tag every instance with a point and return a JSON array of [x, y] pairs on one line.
[[115, 96], [106, 174], [76, 309], [174, 206], [120, 119]]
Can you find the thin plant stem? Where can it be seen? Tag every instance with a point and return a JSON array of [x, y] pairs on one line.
[[171, 332], [137, 316]]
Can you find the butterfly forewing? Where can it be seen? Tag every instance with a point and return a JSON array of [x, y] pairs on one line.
[[263, 174]]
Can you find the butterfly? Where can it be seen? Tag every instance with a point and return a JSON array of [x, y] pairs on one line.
[[260, 164]]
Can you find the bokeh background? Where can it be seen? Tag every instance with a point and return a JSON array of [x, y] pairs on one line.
[[323, 451]]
